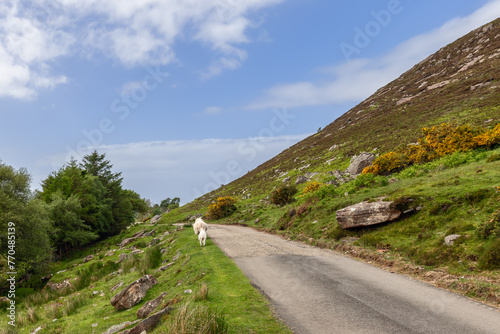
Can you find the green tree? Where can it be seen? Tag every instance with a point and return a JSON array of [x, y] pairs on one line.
[[30, 219], [70, 231]]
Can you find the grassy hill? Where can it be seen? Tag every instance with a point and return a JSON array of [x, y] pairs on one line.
[[456, 194]]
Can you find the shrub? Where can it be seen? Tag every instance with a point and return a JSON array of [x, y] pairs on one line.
[[312, 187], [224, 207], [152, 259], [283, 195], [388, 163]]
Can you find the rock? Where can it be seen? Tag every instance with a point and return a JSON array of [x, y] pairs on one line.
[[332, 183], [136, 251], [59, 286], [165, 267], [310, 175], [450, 239], [301, 179], [122, 257], [189, 291], [150, 306], [88, 258], [286, 180], [155, 219], [36, 330], [116, 286], [149, 323], [133, 293], [110, 253], [150, 233], [365, 214], [292, 212], [95, 325], [136, 236], [257, 221], [333, 148], [116, 328], [359, 162], [341, 176]]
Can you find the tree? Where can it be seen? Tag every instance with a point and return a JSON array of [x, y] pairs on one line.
[[70, 231], [29, 219]]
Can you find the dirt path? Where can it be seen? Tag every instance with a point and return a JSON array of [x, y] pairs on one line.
[[318, 291]]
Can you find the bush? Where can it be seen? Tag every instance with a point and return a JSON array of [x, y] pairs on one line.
[[224, 207], [312, 187], [283, 195]]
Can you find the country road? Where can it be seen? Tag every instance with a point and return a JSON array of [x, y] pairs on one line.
[[316, 291]]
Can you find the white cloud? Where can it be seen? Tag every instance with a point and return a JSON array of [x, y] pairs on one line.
[[26, 47], [359, 78], [185, 168], [134, 33]]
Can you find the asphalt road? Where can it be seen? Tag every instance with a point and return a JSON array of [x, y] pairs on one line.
[[317, 291]]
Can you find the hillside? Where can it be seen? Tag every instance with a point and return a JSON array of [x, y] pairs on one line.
[[459, 83]]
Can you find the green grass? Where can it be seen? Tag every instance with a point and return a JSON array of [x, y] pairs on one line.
[[220, 290]]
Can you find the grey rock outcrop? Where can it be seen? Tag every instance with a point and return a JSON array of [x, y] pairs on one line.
[[359, 162], [134, 293], [155, 219], [450, 239], [301, 179], [150, 306], [149, 323], [366, 213]]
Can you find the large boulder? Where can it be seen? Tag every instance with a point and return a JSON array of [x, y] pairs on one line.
[[133, 293], [359, 162], [366, 213]]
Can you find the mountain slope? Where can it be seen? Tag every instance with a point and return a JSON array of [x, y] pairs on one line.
[[460, 83]]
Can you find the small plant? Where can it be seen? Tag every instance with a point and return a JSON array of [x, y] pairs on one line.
[[191, 319], [224, 207], [202, 293], [152, 259], [493, 157], [283, 195], [73, 304]]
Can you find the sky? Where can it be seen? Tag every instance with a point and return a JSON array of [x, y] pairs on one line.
[[185, 95]]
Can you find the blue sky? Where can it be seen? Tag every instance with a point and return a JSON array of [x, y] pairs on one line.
[[183, 95]]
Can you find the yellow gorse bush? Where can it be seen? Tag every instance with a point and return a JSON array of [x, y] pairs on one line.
[[438, 141], [222, 208], [312, 187]]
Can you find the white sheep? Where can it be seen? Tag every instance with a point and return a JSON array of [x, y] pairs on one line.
[[202, 237], [199, 225]]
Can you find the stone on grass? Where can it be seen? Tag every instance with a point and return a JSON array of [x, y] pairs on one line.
[[366, 214], [134, 293]]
